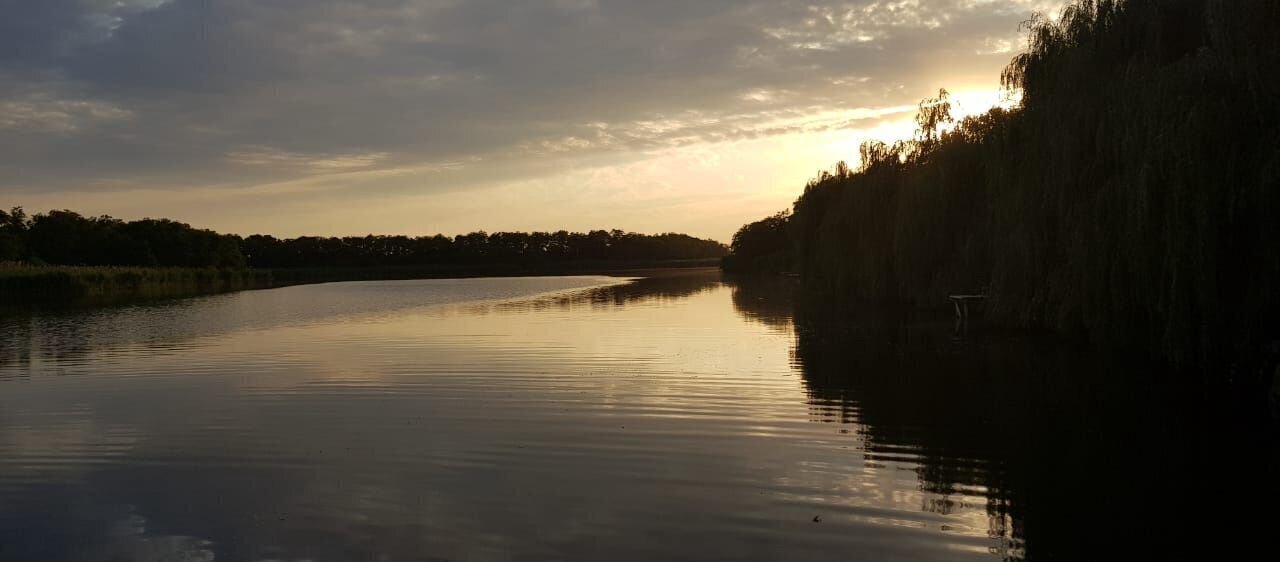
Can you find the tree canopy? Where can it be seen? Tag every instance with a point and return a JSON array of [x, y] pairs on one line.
[[69, 238], [1131, 195]]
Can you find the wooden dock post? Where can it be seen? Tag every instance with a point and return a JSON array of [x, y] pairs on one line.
[[961, 303]]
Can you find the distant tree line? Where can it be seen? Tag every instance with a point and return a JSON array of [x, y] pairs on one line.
[[476, 247], [69, 238], [1132, 195]]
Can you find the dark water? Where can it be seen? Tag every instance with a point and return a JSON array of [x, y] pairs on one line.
[[591, 418]]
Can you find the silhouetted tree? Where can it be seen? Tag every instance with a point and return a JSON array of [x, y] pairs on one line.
[[761, 246], [1133, 194], [68, 238], [13, 234]]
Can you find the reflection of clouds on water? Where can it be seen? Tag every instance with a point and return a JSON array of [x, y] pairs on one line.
[[130, 541], [63, 336], [698, 417], [499, 428], [599, 421], [51, 446], [66, 522]]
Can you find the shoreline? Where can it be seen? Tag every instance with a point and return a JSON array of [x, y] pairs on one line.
[[43, 286]]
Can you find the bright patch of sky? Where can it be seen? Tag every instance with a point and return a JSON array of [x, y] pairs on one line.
[[420, 116]]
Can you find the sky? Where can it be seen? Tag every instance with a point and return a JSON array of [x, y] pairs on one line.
[[349, 117]]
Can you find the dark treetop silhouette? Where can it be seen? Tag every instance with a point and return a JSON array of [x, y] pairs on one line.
[[68, 238], [1131, 195]]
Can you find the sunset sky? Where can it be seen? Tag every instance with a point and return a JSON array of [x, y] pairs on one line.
[[337, 117]]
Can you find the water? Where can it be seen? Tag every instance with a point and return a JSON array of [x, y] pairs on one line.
[[580, 418]]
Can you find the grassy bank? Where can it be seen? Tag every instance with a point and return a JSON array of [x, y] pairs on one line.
[[22, 284], [31, 284]]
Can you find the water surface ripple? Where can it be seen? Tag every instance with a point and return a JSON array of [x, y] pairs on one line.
[[481, 419]]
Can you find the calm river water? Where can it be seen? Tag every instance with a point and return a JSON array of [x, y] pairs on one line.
[[580, 418]]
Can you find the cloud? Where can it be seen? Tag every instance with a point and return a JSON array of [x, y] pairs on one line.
[[45, 113], [304, 163], [191, 94]]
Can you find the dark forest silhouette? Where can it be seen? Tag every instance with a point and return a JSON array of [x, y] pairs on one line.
[[1130, 196], [68, 238]]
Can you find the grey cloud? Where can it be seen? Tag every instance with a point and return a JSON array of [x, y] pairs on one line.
[[209, 91]]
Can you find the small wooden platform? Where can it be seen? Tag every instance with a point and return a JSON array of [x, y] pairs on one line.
[[962, 302]]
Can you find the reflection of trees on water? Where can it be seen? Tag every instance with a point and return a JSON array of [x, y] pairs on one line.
[[1079, 455], [73, 333], [765, 299], [59, 336], [660, 287]]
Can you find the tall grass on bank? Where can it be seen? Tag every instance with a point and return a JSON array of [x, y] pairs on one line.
[[1133, 195], [21, 284], [24, 284]]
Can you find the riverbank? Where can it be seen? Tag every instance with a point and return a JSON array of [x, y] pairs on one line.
[[61, 285]]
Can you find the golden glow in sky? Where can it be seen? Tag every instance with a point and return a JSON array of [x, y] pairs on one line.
[[418, 116]]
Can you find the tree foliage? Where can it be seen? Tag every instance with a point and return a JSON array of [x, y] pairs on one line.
[[1131, 195], [761, 246], [68, 238], [475, 248]]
